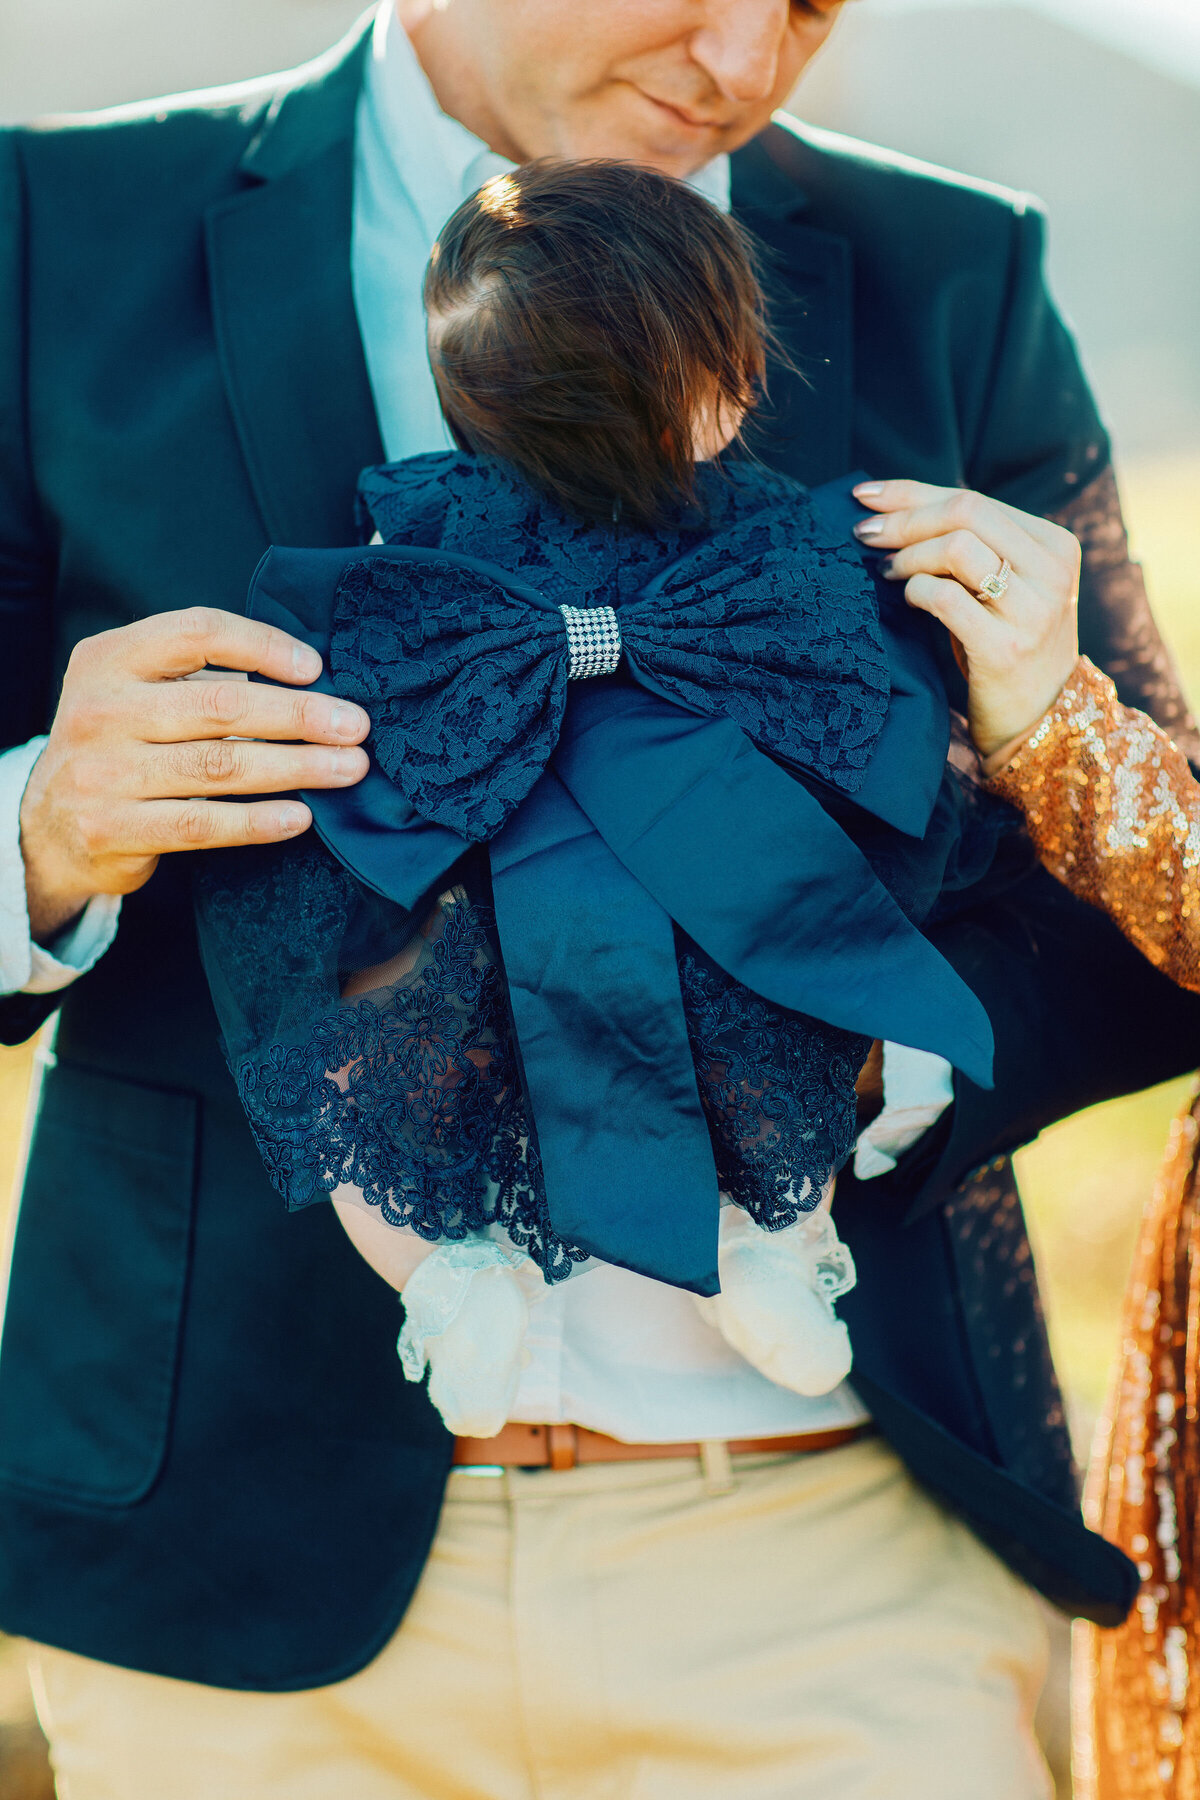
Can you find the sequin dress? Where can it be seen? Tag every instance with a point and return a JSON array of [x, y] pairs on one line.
[[1114, 811]]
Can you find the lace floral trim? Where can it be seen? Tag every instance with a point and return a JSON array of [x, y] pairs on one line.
[[464, 685], [1117, 629], [407, 1093], [777, 1089], [830, 1263]]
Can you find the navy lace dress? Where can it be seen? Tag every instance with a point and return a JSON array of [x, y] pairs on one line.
[[589, 948]]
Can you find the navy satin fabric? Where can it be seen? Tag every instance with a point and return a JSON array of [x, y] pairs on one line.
[[651, 813], [753, 868], [589, 956]]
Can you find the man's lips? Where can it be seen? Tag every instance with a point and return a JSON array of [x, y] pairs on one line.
[[682, 115]]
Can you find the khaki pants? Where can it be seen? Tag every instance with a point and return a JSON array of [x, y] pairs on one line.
[[823, 1631]]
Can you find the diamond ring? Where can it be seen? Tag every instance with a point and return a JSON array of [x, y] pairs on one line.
[[996, 586]]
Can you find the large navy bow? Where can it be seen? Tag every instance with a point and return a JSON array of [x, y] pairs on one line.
[[616, 808], [464, 671]]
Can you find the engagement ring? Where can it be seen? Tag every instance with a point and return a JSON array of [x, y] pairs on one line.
[[996, 586]]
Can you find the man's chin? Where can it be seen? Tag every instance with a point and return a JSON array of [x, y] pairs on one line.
[[639, 131], [668, 158]]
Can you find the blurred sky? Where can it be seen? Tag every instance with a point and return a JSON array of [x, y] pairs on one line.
[[1163, 33], [1038, 96]]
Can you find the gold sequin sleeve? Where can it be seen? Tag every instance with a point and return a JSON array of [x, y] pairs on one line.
[[1114, 813]]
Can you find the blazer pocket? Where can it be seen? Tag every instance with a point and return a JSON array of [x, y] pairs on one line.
[[100, 1259]]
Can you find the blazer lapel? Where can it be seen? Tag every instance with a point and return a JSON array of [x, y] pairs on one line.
[[805, 428], [283, 308]]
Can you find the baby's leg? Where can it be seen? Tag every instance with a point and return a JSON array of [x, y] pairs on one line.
[[393, 1251], [775, 1306], [466, 1299], [466, 1309]]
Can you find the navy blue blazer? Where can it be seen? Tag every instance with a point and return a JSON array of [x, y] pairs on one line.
[[194, 1385]]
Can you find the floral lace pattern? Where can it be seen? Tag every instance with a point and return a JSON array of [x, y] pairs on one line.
[[777, 1090], [773, 623], [1117, 629], [463, 719], [407, 1093], [776, 1304], [272, 920], [767, 620]]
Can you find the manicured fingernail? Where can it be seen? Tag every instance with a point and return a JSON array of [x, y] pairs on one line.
[[306, 664], [869, 528], [869, 490], [887, 566], [291, 820], [345, 721]]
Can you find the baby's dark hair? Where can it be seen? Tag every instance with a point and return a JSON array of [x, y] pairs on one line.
[[582, 316]]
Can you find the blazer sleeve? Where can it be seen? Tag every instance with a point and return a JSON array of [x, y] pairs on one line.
[[26, 559], [1040, 445], [27, 565]]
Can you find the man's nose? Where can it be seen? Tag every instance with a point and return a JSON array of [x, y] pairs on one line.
[[739, 44]]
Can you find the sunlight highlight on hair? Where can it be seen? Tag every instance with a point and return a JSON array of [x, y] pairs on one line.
[[501, 198]]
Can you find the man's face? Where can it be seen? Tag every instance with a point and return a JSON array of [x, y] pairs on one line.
[[669, 83]]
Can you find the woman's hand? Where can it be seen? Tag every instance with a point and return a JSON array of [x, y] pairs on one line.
[[1016, 649]]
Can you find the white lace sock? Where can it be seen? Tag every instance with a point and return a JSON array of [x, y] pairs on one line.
[[466, 1308], [775, 1306]]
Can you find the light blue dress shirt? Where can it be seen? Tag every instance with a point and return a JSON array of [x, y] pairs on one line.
[[413, 166]]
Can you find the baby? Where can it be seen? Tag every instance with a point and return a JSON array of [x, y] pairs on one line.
[[595, 616]]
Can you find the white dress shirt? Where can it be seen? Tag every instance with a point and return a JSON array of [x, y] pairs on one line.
[[607, 1349]]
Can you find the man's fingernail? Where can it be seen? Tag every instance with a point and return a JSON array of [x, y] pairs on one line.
[[306, 664], [345, 762], [345, 721], [869, 490], [292, 820], [869, 528]]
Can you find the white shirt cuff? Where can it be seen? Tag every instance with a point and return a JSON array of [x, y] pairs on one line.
[[26, 967], [917, 1089]]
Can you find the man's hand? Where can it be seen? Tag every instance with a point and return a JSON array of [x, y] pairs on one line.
[[139, 759], [1016, 648]]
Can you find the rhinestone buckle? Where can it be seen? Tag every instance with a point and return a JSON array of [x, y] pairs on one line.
[[593, 641]]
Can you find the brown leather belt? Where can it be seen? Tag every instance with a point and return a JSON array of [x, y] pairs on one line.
[[566, 1446]]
